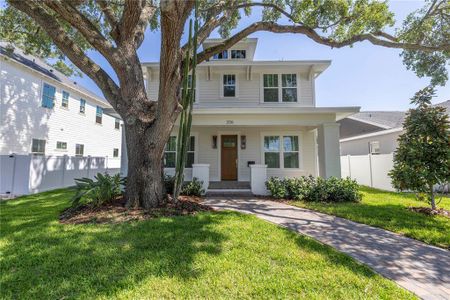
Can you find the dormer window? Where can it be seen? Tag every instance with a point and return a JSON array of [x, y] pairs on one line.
[[238, 54], [221, 55]]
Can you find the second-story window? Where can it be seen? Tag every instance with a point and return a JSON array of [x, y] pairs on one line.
[[115, 152], [273, 92], [65, 99], [289, 87], [238, 54], [48, 96], [116, 123], [99, 115], [221, 55], [189, 83], [270, 87], [82, 106], [229, 85]]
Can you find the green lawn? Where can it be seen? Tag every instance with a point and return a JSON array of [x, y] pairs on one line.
[[388, 210], [209, 255]]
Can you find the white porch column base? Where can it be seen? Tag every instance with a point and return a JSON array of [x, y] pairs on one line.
[[329, 150], [201, 172], [258, 179]]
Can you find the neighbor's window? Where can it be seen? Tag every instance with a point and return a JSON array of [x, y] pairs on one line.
[[61, 145], [65, 99], [374, 147], [289, 87], [221, 55], [290, 152], [115, 152], [170, 153], [79, 149], [272, 151], [38, 146], [270, 87], [229, 85], [82, 106], [117, 123], [239, 54], [99, 115], [48, 96], [190, 152]]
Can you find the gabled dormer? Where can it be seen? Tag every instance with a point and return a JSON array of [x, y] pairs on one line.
[[241, 51]]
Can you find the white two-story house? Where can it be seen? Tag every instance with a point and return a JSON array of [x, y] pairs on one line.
[[43, 112], [256, 119]]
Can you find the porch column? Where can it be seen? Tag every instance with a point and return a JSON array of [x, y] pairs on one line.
[[328, 150], [201, 172]]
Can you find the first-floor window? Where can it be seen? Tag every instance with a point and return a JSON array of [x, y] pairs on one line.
[[290, 152], [272, 151], [115, 152], [61, 145], [374, 147], [79, 149], [38, 146], [282, 151], [170, 153]]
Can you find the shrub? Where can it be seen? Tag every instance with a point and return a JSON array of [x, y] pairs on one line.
[[315, 189], [96, 192], [193, 188], [169, 183], [277, 187]]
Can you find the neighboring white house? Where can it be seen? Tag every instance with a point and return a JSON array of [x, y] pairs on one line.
[[256, 119], [373, 132], [44, 112]]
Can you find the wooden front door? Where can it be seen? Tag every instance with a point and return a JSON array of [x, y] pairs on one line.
[[229, 155]]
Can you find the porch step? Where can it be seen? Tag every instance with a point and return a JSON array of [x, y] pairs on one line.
[[229, 185], [229, 193]]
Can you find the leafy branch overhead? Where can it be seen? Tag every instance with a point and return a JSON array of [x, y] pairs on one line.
[[104, 25]]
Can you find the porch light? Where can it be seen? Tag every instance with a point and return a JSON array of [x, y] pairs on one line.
[[214, 142], [243, 142]]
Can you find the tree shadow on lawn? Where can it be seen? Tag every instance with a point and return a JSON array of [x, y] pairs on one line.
[[42, 258]]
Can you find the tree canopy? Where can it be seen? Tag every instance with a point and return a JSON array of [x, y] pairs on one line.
[[424, 35]]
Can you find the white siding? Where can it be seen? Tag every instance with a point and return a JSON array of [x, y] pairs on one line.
[[253, 152], [388, 144], [23, 117], [249, 92]]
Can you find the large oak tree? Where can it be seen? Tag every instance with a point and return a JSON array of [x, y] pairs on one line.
[[116, 28]]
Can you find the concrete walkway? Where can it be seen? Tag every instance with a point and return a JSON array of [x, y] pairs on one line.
[[422, 269]]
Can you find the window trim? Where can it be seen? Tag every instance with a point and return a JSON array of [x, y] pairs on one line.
[[62, 99], [282, 134], [42, 95], [280, 88], [38, 153], [236, 85], [79, 155], [195, 135]]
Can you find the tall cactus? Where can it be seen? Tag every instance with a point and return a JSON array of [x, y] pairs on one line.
[[187, 101]]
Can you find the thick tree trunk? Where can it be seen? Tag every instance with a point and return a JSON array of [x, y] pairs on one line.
[[145, 149]]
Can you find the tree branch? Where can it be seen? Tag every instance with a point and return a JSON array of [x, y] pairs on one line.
[[135, 17], [50, 24], [276, 28], [110, 18]]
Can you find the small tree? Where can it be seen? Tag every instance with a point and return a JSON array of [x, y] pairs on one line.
[[422, 158]]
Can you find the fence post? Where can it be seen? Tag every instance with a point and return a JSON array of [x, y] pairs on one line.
[[349, 166], [370, 170], [13, 174], [89, 166], [63, 170]]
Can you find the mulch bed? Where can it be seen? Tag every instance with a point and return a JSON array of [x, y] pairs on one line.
[[430, 212], [117, 212]]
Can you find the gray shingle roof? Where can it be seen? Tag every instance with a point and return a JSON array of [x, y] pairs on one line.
[[386, 119], [42, 67]]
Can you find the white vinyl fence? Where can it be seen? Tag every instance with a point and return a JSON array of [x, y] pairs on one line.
[[28, 174], [370, 170]]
